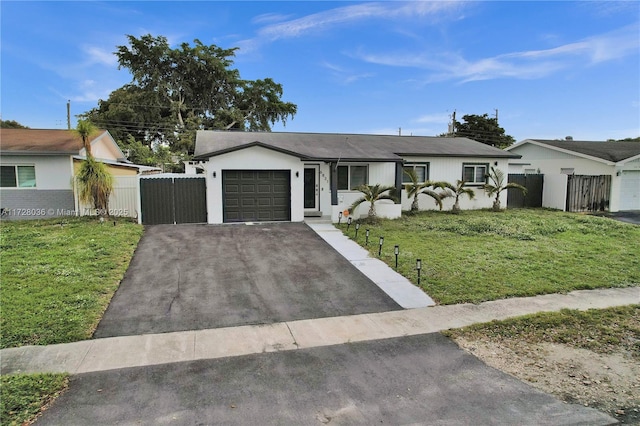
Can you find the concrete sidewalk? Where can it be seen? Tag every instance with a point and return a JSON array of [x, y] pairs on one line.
[[153, 349]]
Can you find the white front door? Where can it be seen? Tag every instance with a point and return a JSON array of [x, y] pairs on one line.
[[311, 188]]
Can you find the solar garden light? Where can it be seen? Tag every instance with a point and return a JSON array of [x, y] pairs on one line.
[[348, 223], [418, 267], [339, 217], [396, 251], [357, 227], [380, 247], [366, 241]]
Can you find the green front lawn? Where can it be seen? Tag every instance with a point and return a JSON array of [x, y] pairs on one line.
[[481, 255], [23, 396], [59, 276]]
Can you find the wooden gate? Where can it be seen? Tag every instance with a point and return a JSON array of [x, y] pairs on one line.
[[533, 183], [173, 200], [588, 193]]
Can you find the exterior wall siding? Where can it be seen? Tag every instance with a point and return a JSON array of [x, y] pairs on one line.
[[254, 158], [449, 169], [37, 204], [52, 172]]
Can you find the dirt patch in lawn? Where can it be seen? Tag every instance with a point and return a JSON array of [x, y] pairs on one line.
[[607, 382]]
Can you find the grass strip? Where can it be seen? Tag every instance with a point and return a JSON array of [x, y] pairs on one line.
[[23, 396], [481, 255], [58, 276]]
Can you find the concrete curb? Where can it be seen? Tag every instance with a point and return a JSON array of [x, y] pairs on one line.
[[152, 349]]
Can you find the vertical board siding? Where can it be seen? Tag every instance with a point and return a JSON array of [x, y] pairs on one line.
[[123, 200], [588, 193], [534, 184]]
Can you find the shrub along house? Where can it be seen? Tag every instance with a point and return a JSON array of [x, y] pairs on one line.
[[278, 176]]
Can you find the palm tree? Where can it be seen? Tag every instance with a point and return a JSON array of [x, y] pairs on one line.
[[95, 183], [416, 188], [496, 185], [372, 193], [458, 190]]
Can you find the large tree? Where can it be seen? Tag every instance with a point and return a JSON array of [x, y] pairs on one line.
[[176, 91], [483, 128], [11, 124]]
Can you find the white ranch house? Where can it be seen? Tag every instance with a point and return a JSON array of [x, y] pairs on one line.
[[264, 176], [557, 159]]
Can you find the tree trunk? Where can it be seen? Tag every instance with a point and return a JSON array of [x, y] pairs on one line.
[[414, 204], [372, 211], [496, 204], [456, 206]]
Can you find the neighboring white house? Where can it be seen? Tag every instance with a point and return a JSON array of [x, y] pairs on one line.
[[557, 159], [38, 166], [254, 176]]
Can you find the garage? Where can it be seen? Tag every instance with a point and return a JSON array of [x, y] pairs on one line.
[[630, 190], [256, 195]]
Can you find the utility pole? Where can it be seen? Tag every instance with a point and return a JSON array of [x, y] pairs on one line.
[[69, 115], [453, 124], [399, 131], [496, 115]]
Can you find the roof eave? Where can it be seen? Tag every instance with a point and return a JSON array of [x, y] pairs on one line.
[[570, 152]]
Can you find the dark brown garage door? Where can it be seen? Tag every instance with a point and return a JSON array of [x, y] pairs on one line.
[[256, 195]]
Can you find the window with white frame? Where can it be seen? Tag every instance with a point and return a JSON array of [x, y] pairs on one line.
[[350, 177], [422, 172], [17, 176], [474, 174]]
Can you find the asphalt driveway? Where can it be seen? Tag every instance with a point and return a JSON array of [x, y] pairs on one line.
[[418, 380], [193, 277]]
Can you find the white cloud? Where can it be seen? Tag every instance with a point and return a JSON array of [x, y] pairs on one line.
[[97, 55], [342, 15], [438, 118], [530, 64], [345, 76]]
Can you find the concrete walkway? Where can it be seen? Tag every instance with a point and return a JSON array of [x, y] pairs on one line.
[[135, 351], [400, 289]]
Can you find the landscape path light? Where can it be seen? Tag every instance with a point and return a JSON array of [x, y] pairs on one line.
[[380, 247], [419, 267], [357, 227], [396, 251], [339, 217], [348, 223], [366, 239]]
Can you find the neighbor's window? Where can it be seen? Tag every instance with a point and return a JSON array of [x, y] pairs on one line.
[[422, 171], [474, 173], [350, 177], [17, 176]]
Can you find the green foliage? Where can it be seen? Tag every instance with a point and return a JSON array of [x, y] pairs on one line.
[[11, 124], [177, 91], [85, 129], [22, 396], [58, 276], [600, 330], [95, 184], [496, 185], [483, 129], [457, 191], [477, 255], [372, 194], [415, 188]]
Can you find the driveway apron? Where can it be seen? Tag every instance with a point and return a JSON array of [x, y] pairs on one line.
[[194, 277]]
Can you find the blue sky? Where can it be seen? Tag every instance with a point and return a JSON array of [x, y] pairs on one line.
[[551, 69]]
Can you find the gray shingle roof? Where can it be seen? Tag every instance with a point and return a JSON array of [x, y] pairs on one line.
[[346, 147], [610, 151]]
